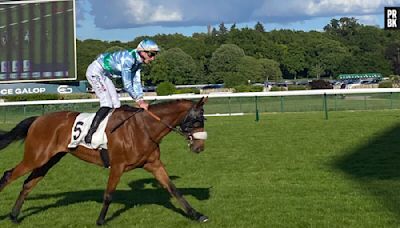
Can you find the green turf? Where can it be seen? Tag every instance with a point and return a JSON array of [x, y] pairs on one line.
[[288, 170]]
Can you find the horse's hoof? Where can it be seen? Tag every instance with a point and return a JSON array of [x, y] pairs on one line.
[[14, 219], [203, 219], [100, 222]]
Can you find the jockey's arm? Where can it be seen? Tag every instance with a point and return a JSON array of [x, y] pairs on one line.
[[133, 86]]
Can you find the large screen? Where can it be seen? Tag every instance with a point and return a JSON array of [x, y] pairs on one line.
[[37, 40]]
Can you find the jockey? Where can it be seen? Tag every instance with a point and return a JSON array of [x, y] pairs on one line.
[[124, 64]]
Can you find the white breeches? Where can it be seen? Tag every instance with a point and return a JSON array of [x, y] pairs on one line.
[[102, 86]]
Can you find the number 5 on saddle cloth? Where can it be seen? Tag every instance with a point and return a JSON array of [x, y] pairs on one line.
[[99, 141]]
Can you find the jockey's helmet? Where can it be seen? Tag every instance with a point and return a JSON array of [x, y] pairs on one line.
[[148, 46]]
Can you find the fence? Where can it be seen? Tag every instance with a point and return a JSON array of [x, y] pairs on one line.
[[233, 103]]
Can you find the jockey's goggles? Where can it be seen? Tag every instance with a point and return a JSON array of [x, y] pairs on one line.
[[151, 53]]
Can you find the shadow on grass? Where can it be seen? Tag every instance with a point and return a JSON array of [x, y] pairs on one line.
[[376, 166], [143, 192]]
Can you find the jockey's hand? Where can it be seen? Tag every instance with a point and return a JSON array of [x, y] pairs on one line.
[[142, 104]]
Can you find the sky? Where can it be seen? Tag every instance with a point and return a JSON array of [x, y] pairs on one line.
[[124, 20]]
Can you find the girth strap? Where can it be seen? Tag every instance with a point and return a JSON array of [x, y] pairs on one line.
[[104, 157]]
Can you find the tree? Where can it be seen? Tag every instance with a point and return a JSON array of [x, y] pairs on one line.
[[343, 27], [270, 70], [87, 51], [222, 29], [317, 70], [224, 60], [233, 27], [214, 32], [114, 49], [294, 60], [325, 56], [165, 88], [249, 69], [174, 66], [392, 53], [259, 27]]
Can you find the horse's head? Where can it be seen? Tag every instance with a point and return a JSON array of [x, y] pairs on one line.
[[193, 126]]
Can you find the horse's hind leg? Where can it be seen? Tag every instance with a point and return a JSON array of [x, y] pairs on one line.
[[159, 172], [10, 175], [36, 175]]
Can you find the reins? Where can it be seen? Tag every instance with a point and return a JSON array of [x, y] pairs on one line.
[[154, 116], [123, 121], [164, 123]]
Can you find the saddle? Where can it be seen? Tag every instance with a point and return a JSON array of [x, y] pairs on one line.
[[99, 141]]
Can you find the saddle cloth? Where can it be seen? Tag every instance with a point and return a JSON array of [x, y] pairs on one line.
[[81, 127]]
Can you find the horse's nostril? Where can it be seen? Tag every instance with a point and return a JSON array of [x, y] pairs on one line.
[[198, 149]]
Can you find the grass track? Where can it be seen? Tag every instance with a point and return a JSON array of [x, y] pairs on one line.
[[288, 170]]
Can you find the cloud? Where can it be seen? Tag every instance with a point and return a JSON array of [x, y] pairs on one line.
[[368, 20], [143, 12], [138, 13]]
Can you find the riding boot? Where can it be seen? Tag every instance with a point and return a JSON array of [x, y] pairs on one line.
[[100, 115]]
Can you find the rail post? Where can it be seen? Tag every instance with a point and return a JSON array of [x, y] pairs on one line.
[[257, 115], [326, 106]]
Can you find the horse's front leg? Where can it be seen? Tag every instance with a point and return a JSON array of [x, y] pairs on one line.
[[113, 180], [159, 172]]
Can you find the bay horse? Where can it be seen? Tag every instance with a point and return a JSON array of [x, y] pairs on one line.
[[133, 142]]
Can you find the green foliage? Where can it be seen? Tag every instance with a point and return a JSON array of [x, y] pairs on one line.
[[345, 46], [175, 66], [259, 27], [31, 97], [316, 71], [74, 96], [343, 27], [43, 96], [222, 29], [165, 88], [251, 70], [270, 70], [294, 59], [277, 88], [225, 60], [386, 84], [114, 49], [247, 88], [232, 79], [187, 90]]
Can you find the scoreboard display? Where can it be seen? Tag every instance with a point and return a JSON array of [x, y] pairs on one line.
[[37, 40]]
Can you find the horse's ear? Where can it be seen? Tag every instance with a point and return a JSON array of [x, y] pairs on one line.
[[202, 101]]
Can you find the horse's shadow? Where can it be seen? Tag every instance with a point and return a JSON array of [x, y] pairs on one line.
[[138, 195], [376, 167]]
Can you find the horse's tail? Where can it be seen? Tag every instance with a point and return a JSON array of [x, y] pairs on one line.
[[17, 133]]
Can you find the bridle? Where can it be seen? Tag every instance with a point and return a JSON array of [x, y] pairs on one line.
[[193, 119]]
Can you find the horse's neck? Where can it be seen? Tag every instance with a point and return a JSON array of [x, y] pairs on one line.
[[170, 115]]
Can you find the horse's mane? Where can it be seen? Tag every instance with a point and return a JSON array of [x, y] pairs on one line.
[[167, 103]]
